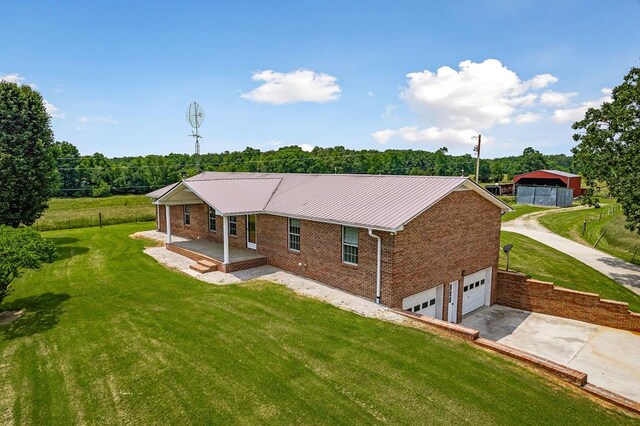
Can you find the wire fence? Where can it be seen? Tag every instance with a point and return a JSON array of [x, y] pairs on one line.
[[90, 220], [612, 235]]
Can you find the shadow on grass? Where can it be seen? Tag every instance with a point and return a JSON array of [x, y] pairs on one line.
[[69, 251], [64, 250], [41, 313], [60, 241]]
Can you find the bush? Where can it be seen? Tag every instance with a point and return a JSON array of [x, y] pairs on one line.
[[21, 248]]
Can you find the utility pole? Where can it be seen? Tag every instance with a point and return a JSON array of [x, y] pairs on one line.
[[476, 149]]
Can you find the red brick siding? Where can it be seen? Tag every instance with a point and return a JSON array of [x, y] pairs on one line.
[[518, 291], [321, 255], [459, 233]]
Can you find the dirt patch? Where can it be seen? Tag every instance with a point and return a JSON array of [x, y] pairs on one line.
[[8, 317]]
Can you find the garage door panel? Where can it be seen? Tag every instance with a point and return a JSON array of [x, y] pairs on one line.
[[474, 290], [425, 303]]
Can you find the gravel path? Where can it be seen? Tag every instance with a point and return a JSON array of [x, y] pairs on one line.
[[623, 272], [300, 285]]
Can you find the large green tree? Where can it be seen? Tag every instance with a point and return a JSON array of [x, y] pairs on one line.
[[608, 147], [21, 248], [28, 176]]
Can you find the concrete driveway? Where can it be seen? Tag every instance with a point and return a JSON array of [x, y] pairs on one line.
[[623, 272], [610, 357]]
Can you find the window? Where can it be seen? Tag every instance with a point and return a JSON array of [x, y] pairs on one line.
[[350, 245], [294, 234], [212, 219], [233, 226], [187, 215]]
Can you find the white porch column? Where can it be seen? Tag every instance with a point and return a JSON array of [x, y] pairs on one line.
[[167, 214], [225, 233], [157, 217]]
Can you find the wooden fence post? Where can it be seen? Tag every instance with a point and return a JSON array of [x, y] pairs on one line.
[[100, 218]]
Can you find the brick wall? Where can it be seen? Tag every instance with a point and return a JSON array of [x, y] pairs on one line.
[[518, 291], [321, 255], [458, 236]]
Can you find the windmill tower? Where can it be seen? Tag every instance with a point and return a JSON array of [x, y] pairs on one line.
[[195, 117]]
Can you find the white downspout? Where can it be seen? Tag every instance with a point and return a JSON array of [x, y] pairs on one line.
[[378, 264]]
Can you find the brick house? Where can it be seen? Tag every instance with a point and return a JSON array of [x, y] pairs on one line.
[[422, 243]]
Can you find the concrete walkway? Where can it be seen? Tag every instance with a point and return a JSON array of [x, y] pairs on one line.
[[610, 357], [623, 272], [298, 284]]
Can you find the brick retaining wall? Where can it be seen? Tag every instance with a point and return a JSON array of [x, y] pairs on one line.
[[518, 291]]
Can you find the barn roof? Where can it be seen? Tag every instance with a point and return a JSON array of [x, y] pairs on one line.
[[370, 201], [553, 172]]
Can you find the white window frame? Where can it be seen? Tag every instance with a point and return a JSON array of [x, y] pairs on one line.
[[233, 220], [186, 215], [215, 225], [344, 245], [290, 234]]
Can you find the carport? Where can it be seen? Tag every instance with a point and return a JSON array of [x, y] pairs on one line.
[[610, 357]]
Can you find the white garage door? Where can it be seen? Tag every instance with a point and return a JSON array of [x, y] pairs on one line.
[[476, 290], [427, 303]]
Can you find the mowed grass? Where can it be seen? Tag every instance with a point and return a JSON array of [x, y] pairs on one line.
[[67, 213], [109, 337], [522, 209], [547, 264], [616, 239]]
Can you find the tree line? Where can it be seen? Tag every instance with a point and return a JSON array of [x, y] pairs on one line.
[[96, 175]]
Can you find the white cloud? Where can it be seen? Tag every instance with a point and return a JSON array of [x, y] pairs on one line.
[[541, 81], [84, 120], [565, 115], [370, 93], [477, 95], [52, 110], [458, 103], [413, 134], [552, 98], [527, 117], [306, 147], [295, 86], [12, 78]]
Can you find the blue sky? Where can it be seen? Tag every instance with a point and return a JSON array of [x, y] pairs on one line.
[[118, 76]]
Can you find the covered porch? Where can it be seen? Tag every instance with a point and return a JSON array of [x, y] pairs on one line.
[[203, 251]]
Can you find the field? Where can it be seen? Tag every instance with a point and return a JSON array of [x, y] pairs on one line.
[[67, 213], [547, 264], [616, 239], [108, 336]]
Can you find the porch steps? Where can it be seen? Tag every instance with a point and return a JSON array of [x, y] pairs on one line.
[[204, 266]]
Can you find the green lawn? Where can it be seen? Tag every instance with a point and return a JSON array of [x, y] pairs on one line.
[[547, 264], [522, 209], [66, 213], [111, 337], [617, 240]]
